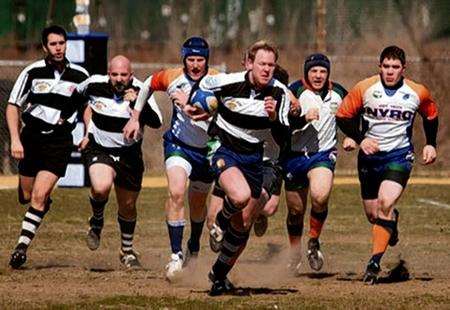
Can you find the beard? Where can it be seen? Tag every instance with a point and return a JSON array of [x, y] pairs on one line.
[[120, 88]]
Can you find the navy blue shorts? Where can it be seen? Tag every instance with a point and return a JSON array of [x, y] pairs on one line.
[[196, 157], [296, 167], [395, 165], [251, 166]]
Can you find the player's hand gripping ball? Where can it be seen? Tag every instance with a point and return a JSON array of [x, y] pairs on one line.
[[204, 100]]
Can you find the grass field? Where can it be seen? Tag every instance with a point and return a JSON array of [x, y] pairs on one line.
[[62, 273]]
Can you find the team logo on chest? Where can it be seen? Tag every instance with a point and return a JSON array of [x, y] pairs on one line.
[[41, 87], [99, 105], [377, 94]]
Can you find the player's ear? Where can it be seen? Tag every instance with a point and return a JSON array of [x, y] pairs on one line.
[[45, 49]]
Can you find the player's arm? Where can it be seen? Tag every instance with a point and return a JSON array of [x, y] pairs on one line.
[[17, 98], [13, 120], [429, 112], [349, 113], [132, 127]]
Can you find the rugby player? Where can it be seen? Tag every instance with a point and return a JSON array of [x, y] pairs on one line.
[[110, 158], [42, 100], [185, 150], [386, 104]]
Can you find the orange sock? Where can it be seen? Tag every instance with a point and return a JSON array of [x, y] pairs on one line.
[[316, 221], [380, 237]]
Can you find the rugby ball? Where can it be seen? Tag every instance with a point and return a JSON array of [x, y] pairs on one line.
[[205, 100]]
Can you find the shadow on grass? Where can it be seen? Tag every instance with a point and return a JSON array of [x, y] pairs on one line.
[[317, 275], [399, 273], [248, 291]]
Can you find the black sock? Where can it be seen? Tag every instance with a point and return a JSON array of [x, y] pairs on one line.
[[234, 243], [196, 233], [126, 233], [96, 221]]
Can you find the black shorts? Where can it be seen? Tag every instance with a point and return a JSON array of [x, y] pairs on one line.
[[127, 163], [272, 180], [373, 169], [45, 152]]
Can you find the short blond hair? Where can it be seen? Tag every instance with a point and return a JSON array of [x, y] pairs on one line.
[[261, 45]]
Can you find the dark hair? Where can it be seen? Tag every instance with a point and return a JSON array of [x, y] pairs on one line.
[[55, 29], [393, 52], [281, 75], [261, 45]]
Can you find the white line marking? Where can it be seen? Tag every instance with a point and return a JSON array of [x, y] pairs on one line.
[[434, 203]]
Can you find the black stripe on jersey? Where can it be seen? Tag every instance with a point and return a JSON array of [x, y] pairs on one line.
[[108, 123], [243, 120]]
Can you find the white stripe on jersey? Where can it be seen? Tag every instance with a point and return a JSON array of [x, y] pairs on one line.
[[53, 86], [44, 113], [17, 97], [111, 139], [109, 107], [250, 135]]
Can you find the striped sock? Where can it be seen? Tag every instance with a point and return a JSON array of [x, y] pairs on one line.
[[234, 243], [30, 224], [176, 229], [96, 221], [126, 233], [316, 221], [224, 215]]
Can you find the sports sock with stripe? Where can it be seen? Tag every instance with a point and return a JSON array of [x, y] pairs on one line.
[[316, 221], [176, 229], [234, 243], [127, 227], [30, 225], [96, 221]]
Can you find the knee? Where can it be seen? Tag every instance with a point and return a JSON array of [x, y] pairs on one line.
[[385, 205], [101, 191], [319, 201], [240, 200], [38, 198], [128, 209], [177, 196]]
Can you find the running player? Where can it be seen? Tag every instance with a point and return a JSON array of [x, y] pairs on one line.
[[110, 158], [386, 104], [249, 103], [42, 97], [309, 157], [185, 150]]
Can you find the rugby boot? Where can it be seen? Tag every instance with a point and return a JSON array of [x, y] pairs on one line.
[[18, 258], [93, 234], [175, 266], [371, 275], [219, 287], [314, 255], [130, 259]]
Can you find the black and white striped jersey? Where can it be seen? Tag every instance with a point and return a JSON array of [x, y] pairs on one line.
[[45, 96], [241, 122], [110, 113]]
